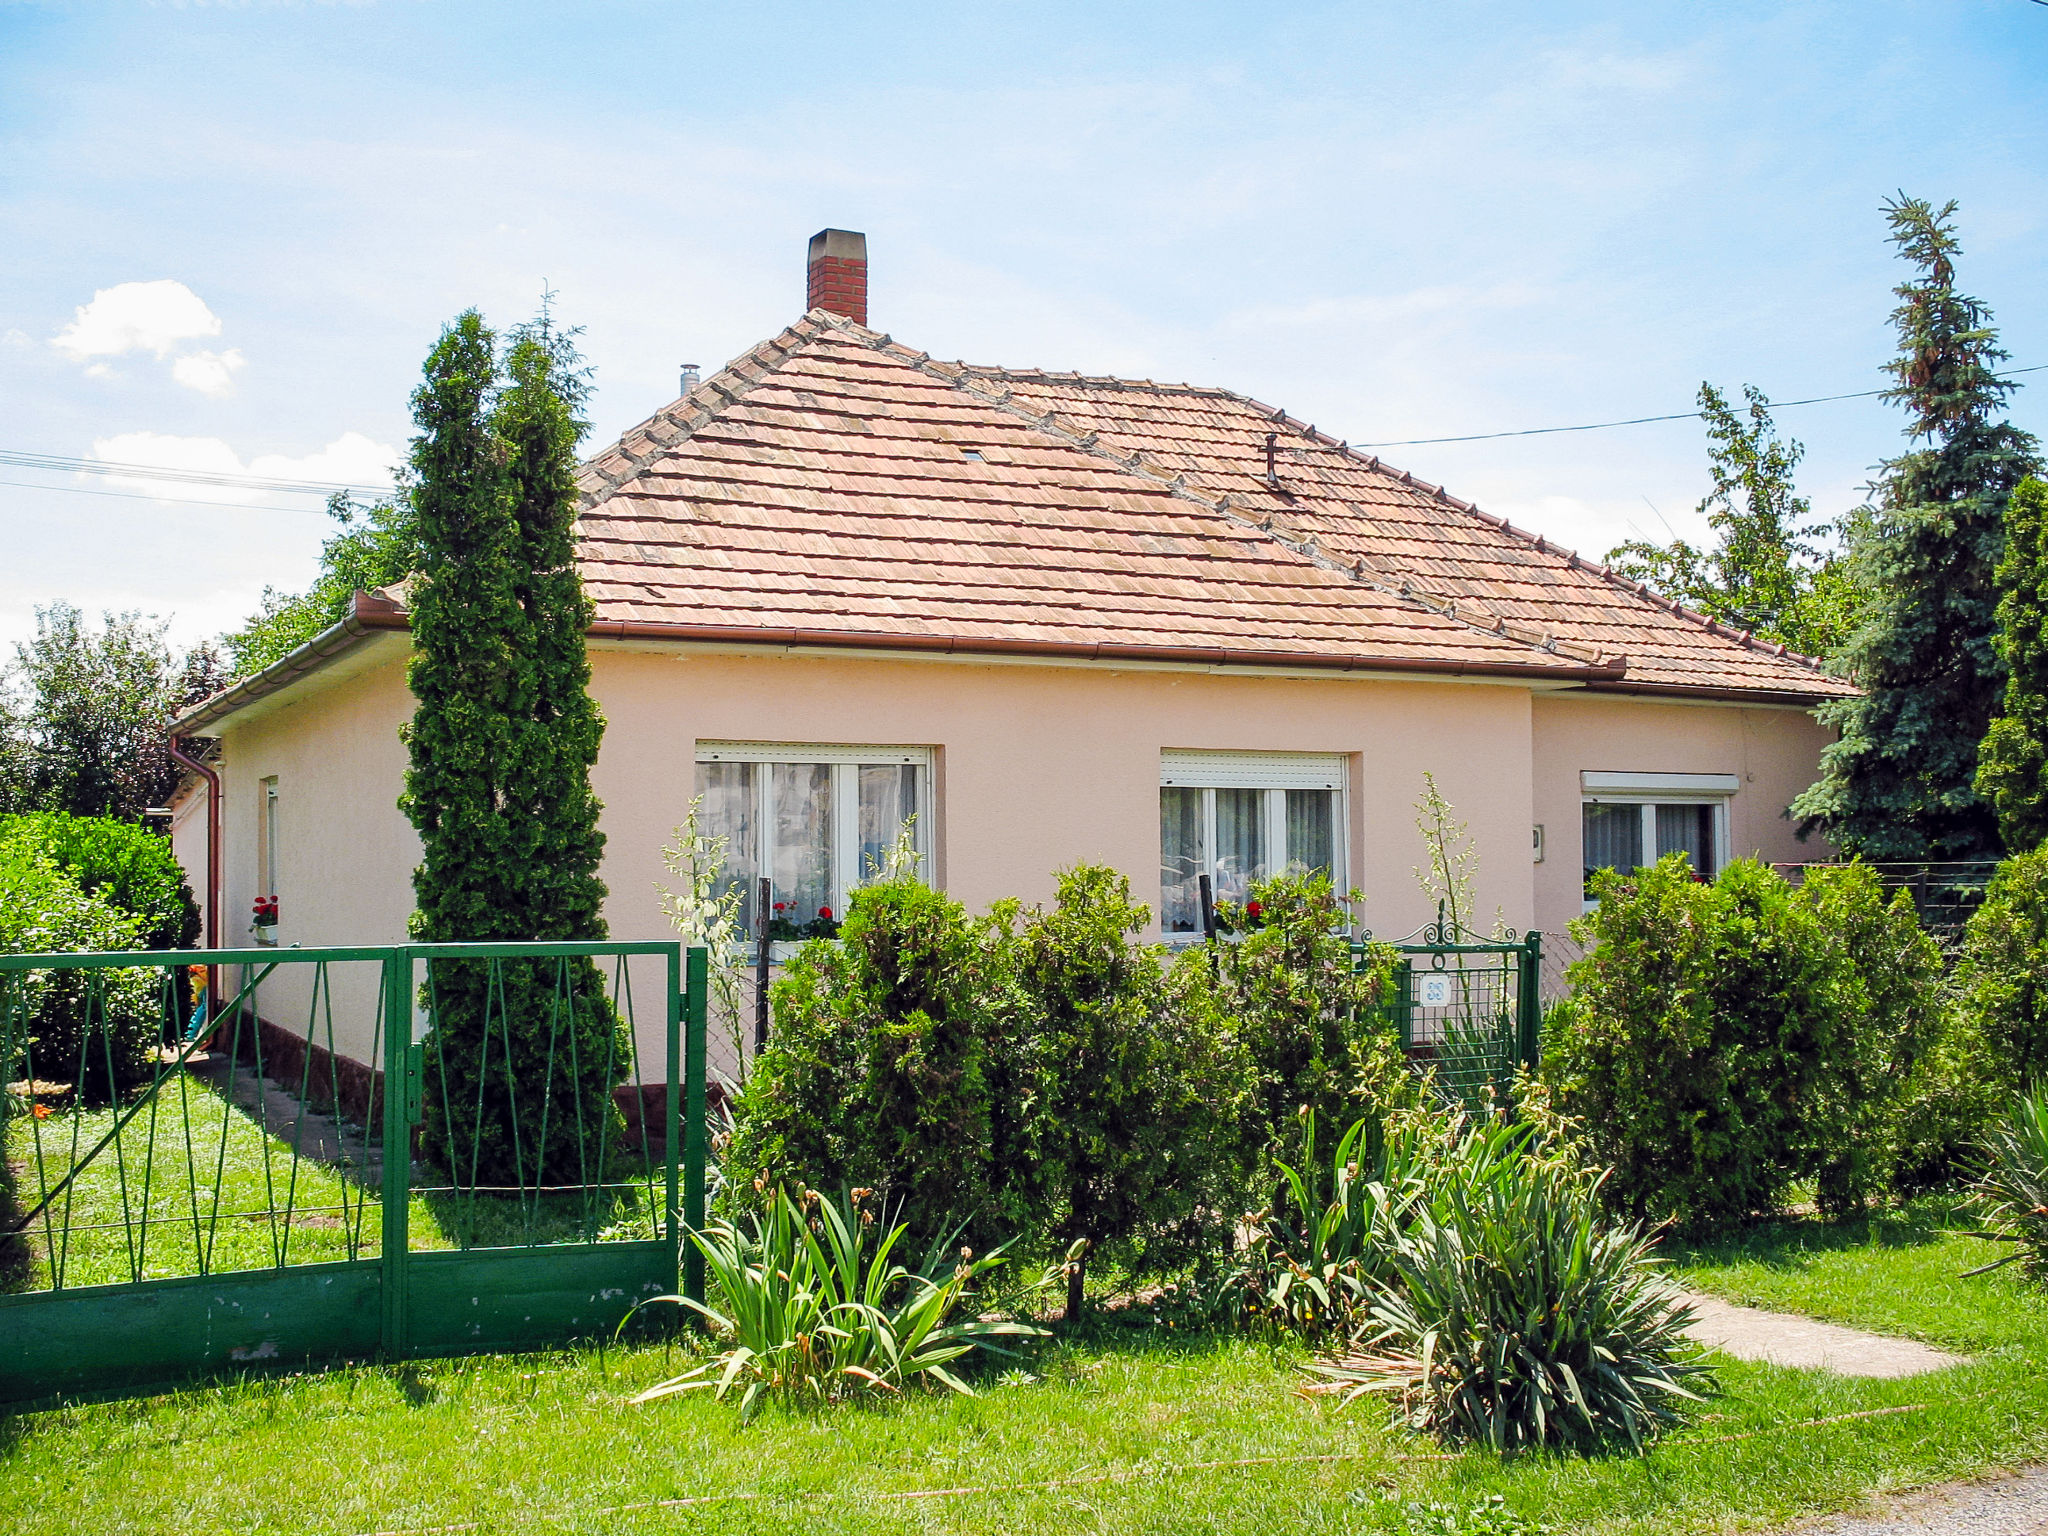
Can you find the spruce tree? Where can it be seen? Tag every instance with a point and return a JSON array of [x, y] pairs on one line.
[[1900, 782], [521, 1060], [2012, 772]]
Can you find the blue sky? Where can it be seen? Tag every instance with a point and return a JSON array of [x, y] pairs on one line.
[[1398, 222]]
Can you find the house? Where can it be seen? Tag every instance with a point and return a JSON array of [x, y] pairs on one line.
[[841, 585]]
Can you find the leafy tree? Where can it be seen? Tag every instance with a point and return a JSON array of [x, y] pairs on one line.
[[501, 742], [85, 726], [377, 546], [1765, 574], [1900, 780], [2012, 771], [125, 865]]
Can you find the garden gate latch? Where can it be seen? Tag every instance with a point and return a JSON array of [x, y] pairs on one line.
[[415, 1083]]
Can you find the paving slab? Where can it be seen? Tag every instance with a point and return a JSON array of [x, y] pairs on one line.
[[1805, 1343], [2009, 1504]]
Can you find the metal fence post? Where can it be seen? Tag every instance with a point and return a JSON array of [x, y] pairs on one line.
[[696, 1017], [1404, 1002], [397, 1108], [1529, 1041]]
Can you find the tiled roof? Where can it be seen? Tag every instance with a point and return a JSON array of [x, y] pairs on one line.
[[832, 486]]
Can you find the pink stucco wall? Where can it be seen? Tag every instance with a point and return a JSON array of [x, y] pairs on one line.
[[1774, 753], [1038, 767]]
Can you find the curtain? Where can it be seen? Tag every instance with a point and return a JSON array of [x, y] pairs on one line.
[[1688, 829], [727, 810], [1182, 860], [1614, 838], [802, 800], [888, 799], [1311, 814], [1240, 841]]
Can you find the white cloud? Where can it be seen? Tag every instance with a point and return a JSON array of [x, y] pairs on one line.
[[129, 317], [211, 373], [351, 459]]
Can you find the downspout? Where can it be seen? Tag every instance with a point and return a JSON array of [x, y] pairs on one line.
[[213, 860]]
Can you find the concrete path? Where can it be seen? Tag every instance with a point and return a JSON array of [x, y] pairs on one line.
[[2011, 1504], [1782, 1338]]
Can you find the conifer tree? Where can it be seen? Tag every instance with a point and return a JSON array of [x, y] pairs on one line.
[[519, 1066], [1900, 782], [2012, 772]]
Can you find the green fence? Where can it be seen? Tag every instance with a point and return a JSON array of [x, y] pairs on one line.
[[223, 1160], [1469, 1010]]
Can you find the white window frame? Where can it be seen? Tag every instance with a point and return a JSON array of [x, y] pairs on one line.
[[845, 763], [1650, 790], [1273, 774]]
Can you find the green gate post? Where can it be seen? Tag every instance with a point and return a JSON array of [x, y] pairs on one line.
[[1529, 1041], [400, 1105], [696, 1017], [1404, 1002]]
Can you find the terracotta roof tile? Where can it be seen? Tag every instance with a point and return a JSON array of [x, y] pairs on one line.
[[821, 486]]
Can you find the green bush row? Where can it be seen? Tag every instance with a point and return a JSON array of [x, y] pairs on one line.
[[1724, 1041], [1042, 1072]]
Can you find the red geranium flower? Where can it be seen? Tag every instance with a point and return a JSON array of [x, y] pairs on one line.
[[780, 905], [825, 912], [1254, 909]]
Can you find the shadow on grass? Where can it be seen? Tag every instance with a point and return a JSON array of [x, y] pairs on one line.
[[1787, 1242]]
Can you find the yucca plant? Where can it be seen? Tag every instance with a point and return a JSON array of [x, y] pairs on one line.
[[1311, 1256], [1514, 1315], [2011, 1194], [811, 1304]]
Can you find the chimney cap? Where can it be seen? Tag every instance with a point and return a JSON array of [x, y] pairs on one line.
[[841, 244]]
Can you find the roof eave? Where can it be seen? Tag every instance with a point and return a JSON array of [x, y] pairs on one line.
[[1211, 656], [1724, 695], [368, 614]]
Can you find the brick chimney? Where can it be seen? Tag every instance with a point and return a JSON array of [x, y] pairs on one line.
[[839, 274]]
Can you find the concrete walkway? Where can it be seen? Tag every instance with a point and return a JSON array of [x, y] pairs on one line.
[[2010, 1504], [1802, 1343]]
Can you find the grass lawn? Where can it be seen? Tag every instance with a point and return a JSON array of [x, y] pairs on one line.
[[547, 1443]]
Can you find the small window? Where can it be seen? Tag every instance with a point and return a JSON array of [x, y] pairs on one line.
[[1243, 816], [971, 453], [1639, 821], [815, 821]]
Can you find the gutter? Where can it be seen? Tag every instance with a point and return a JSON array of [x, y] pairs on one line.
[[1206, 656], [1681, 691]]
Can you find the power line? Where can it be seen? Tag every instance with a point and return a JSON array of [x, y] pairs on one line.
[[175, 501], [1635, 421], [62, 464]]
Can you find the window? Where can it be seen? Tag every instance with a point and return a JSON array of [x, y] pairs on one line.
[[264, 913], [814, 820], [1241, 816], [1634, 819]]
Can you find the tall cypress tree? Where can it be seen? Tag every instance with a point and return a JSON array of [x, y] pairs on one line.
[[522, 1060], [2012, 772], [1900, 782]]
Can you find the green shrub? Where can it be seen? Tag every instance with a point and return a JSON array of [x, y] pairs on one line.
[[1315, 1023], [810, 1304], [1945, 1107], [130, 867], [2012, 1191], [1137, 1100], [1886, 990], [1725, 1040], [2002, 972], [1516, 1316], [876, 1072], [96, 1030]]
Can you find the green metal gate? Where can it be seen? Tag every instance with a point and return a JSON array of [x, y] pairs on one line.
[[1469, 1010], [191, 1186]]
